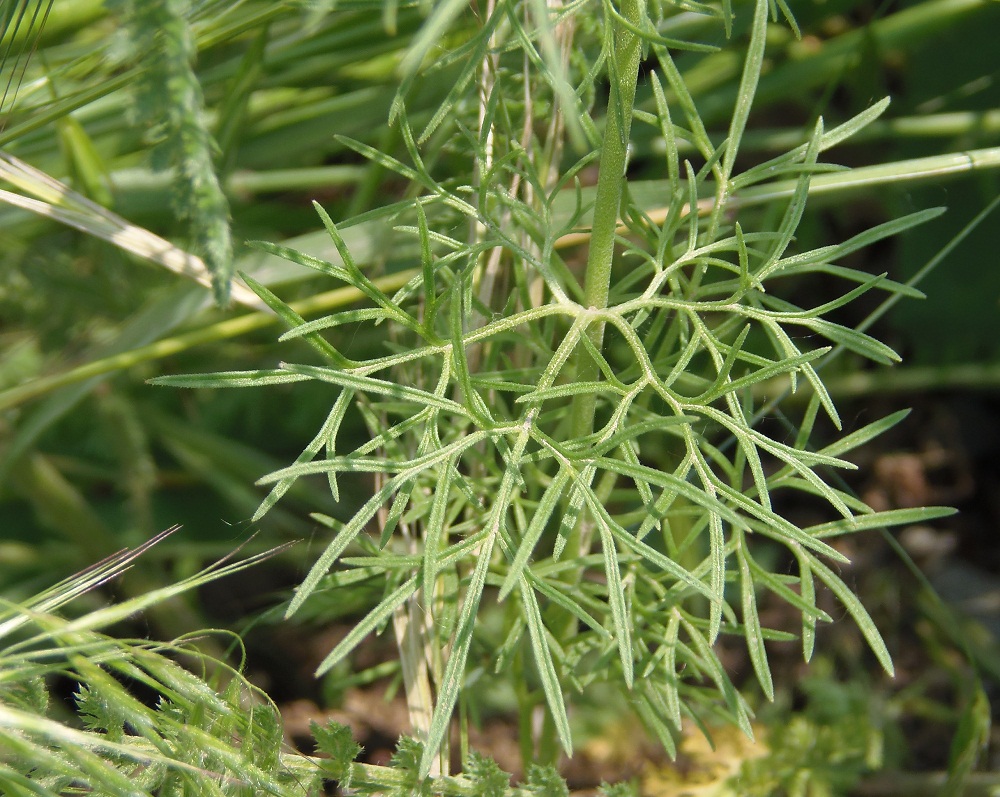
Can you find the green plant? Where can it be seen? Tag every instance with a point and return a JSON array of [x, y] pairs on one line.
[[583, 450], [566, 386]]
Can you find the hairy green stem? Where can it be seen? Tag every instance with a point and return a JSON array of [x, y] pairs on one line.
[[610, 184]]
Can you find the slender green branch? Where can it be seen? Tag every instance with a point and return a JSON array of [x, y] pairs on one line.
[[610, 184]]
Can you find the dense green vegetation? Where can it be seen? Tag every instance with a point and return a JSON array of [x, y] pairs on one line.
[[581, 308]]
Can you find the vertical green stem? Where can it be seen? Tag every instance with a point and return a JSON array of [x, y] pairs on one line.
[[597, 279], [610, 183]]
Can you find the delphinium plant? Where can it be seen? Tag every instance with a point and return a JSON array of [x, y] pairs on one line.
[[563, 422]]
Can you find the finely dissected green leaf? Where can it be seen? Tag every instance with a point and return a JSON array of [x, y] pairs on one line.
[[779, 525], [293, 319], [767, 372], [653, 718], [799, 461], [751, 626], [855, 341], [564, 391], [230, 379], [858, 438], [574, 507], [344, 538], [526, 546], [748, 85], [839, 302], [717, 556], [328, 322], [784, 344], [789, 268], [373, 619], [776, 585], [337, 742], [714, 670], [796, 207], [510, 647], [407, 469], [409, 173], [646, 551], [616, 599], [878, 233], [546, 668], [879, 520], [366, 384], [558, 596], [472, 54], [435, 532], [857, 612], [454, 674], [357, 278], [329, 432], [671, 695], [828, 140], [302, 258], [808, 590]]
